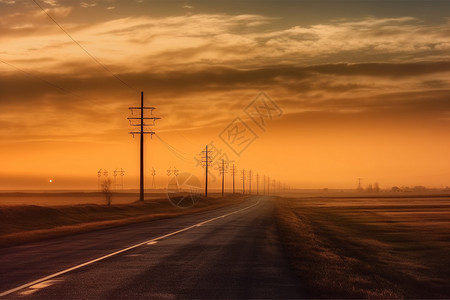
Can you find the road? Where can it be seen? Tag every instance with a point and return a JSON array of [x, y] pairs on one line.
[[232, 252]]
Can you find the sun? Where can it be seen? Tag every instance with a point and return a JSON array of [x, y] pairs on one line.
[[51, 180]]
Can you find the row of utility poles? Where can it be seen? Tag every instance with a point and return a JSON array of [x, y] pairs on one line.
[[276, 187], [144, 120]]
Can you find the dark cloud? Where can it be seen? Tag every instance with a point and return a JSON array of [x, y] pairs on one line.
[[321, 87], [383, 69]]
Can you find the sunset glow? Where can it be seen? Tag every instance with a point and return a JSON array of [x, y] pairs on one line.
[[362, 87]]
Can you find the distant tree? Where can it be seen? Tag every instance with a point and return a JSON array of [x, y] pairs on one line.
[[419, 188], [106, 190], [395, 189], [369, 188], [376, 187]]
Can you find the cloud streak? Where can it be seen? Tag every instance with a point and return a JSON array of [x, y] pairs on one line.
[[237, 41]]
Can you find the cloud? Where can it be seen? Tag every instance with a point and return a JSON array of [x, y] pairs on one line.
[[237, 41], [338, 87], [218, 60], [51, 2], [88, 4]]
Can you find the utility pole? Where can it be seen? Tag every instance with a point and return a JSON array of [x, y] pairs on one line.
[[223, 177], [153, 178], [264, 185], [359, 184], [250, 182], [99, 175], [122, 173], [233, 174], [169, 172], [206, 163], [257, 184], [142, 131], [116, 171], [243, 181]]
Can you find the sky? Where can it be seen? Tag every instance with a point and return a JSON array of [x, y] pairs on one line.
[[313, 94]]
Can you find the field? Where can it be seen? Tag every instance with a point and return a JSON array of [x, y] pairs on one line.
[[26, 217], [368, 247], [70, 198]]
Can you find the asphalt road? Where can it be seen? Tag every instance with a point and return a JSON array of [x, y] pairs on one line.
[[233, 252]]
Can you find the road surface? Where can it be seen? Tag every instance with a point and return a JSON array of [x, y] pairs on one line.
[[231, 252]]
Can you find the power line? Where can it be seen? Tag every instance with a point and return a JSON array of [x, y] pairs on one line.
[[41, 79], [52, 84], [179, 154], [84, 49]]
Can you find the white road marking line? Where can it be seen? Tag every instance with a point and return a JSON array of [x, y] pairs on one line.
[[37, 287], [149, 242]]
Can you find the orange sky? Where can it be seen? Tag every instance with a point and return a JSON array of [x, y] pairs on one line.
[[361, 90]]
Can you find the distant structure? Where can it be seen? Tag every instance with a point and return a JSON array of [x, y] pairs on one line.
[[153, 177], [359, 189], [171, 171], [101, 173], [121, 173]]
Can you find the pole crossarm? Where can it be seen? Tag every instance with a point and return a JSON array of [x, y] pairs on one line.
[[138, 107], [144, 118]]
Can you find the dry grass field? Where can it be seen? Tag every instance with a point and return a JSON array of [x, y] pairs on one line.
[[70, 198], [41, 216], [368, 247]]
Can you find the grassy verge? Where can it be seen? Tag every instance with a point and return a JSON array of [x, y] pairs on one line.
[[355, 249], [28, 223]]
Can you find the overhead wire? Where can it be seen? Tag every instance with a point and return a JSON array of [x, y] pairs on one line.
[[102, 65], [178, 153], [84, 49], [40, 78], [66, 91], [177, 131]]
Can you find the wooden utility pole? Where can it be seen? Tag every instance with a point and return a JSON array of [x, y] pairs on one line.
[[264, 185], [257, 184], [139, 122], [223, 175], [141, 183], [206, 164], [243, 181], [250, 182], [233, 174]]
